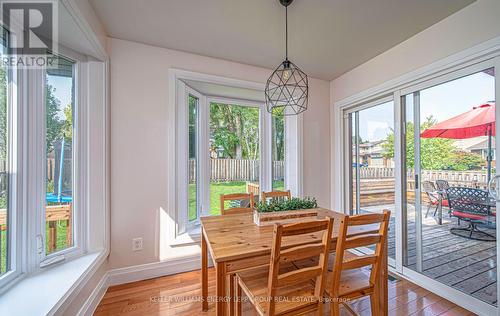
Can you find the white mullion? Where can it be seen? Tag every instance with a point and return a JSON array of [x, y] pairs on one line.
[[497, 167], [265, 151], [182, 166], [418, 180], [204, 159], [81, 158], [398, 178], [35, 211]]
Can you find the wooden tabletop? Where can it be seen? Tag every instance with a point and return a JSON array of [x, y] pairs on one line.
[[232, 237]]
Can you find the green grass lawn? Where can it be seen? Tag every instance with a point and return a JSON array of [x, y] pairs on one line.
[[218, 188], [3, 250], [60, 243]]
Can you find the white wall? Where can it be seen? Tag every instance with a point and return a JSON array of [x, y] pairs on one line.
[[139, 148], [471, 26]]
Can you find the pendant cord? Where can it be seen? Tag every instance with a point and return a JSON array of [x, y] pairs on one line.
[[286, 33]]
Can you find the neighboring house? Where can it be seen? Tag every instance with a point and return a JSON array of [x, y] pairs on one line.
[[477, 145], [372, 155]]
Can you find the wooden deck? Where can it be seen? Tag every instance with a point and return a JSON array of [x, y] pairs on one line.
[[464, 264]]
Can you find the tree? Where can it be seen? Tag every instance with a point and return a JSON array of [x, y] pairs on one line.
[[235, 130], [67, 124], [278, 142], [435, 153], [54, 123], [464, 160]]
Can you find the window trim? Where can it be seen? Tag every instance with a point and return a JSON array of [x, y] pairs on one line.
[[80, 166], [169, 218], [16, 199]]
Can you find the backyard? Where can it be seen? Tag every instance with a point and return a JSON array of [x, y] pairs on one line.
[[60, 242], [216, 189]]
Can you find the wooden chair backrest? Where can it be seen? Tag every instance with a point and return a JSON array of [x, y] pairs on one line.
[[276, 195], [363, 240], [236, 197], [302, 275]]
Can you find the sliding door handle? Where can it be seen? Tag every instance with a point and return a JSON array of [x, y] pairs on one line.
[[494, 192]]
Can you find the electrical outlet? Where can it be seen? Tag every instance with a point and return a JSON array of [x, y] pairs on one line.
[[137, 244]]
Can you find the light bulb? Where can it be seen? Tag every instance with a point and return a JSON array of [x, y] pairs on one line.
[[286, 74]]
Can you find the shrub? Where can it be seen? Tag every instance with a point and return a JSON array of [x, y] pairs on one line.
[[286, 205]]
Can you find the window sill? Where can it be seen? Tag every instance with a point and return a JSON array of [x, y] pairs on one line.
[[191, 237], [45, 292]]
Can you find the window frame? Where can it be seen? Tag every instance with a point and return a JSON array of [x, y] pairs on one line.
[[16, 125], [173, 220], [36, 257]]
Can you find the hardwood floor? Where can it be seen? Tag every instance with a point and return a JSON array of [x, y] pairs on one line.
[[178, 295]]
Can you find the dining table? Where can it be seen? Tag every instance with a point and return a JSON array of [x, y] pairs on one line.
[[235, 243]]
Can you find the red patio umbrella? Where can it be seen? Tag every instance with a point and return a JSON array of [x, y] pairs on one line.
[[480, 121]]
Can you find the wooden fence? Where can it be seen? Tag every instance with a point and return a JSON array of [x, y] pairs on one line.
[[431, 175], [377, 185], [236, 170]]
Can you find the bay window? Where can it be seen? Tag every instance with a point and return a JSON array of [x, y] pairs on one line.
[[228, 145], [44, 167]]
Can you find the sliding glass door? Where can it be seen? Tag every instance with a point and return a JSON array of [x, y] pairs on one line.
[[372, 161], [427, 152], [450, 221]]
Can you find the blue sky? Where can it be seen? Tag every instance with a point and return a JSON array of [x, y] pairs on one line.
[[62, 87], [442, 102]]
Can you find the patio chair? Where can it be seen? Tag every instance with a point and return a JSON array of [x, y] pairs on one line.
[[473, 206], [432, 195], [442, 186]]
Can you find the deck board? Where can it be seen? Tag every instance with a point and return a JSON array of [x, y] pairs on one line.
[[464, 264]]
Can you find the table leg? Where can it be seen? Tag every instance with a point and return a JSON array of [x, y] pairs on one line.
[[220, 284], [204, 273]]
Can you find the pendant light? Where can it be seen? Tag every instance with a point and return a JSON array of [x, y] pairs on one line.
[[287, 88]]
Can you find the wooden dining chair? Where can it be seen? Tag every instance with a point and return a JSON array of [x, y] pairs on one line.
[[241, 197], [350, 279], [281, 288], [276, 195]]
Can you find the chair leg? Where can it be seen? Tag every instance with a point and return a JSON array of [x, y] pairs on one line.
[[435, 211], [374, 304], [428, 209]]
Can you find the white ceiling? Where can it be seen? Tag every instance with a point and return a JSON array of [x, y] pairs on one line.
[[326, 37]]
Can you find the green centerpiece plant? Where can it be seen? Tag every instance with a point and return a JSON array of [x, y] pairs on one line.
[[286, 205]]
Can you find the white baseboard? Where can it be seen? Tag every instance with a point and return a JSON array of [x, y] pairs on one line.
[[95, 297], [153, 270], [137, 273]]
